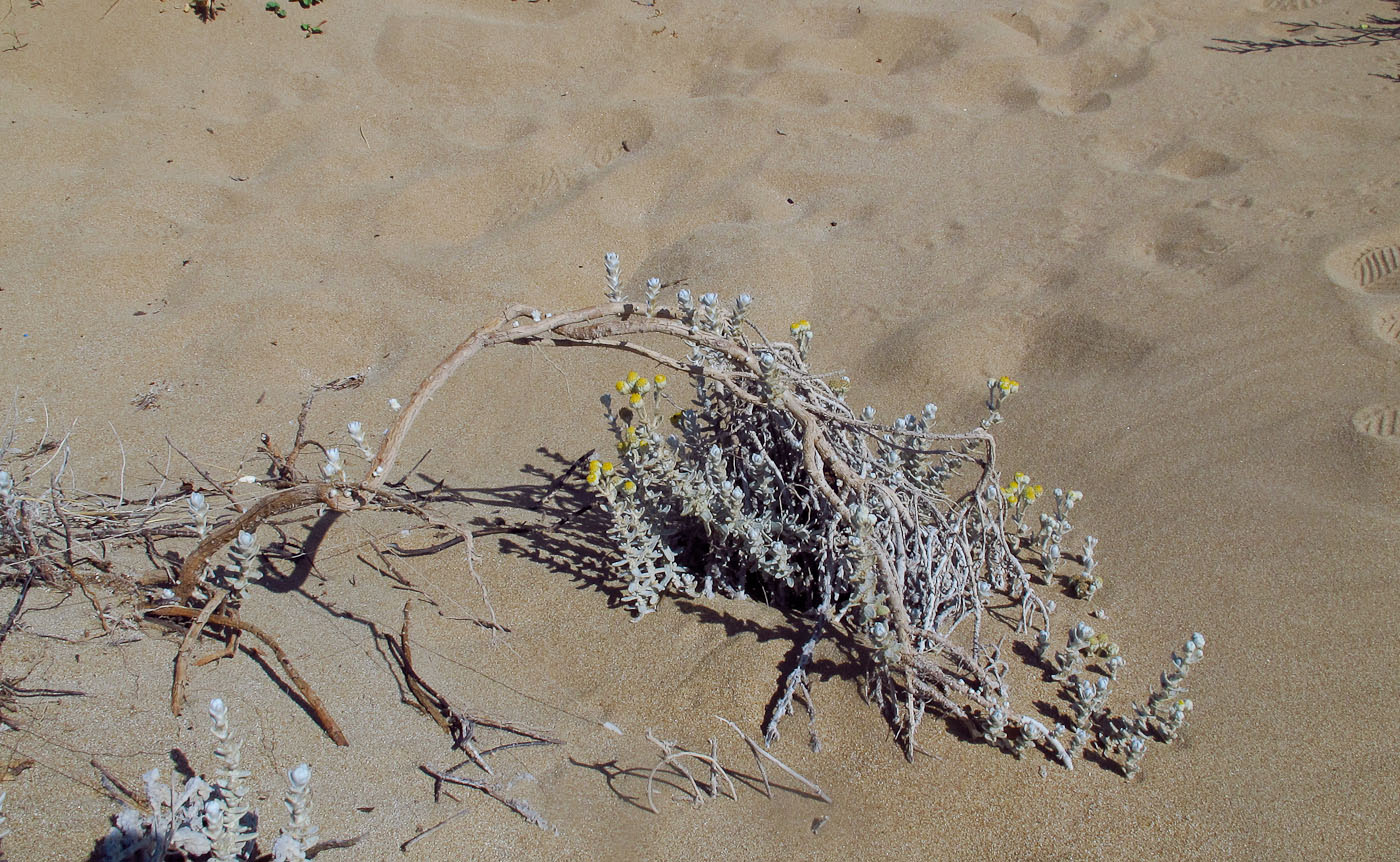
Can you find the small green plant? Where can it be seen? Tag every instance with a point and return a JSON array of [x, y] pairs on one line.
[[276, 8], [312, 29]]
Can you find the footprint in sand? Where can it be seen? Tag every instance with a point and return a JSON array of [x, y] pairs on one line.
[[1191, 162], [1082, 50], [1135, 152], [1387, 326], [1370, 266], [1378, 421], [871, 43]]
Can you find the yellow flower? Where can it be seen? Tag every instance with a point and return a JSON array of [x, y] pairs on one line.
[[634, 399], [620, 386], [594, 475], [1012, 499], [632, 377], [800, 326], [595, 465], [1006, 384], [659, 380], [629, 486], [607, 467]]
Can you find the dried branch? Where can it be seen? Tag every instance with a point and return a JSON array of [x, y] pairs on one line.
[[318, 710], [182, 655]]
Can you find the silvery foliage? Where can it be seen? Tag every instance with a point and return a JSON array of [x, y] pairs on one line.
[[1164, 716], [715, 496], [208, 820], [300, 834], [9, 497], [896, 532], [176, 822]]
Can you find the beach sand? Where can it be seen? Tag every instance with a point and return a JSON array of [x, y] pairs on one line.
[[1189, 259]]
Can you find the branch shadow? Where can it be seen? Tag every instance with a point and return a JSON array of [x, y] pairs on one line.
[[1371, 31]]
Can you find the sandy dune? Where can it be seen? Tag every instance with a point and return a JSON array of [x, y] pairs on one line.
[[1190, 260]]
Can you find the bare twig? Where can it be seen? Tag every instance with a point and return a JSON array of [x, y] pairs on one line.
[[671, 756], [213, 483], [519, 806], [459, 725], [760, 755], [118, 790], [318, 710], [182, 656]]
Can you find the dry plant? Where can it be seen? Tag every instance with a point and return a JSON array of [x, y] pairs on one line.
[[673, 758], [898, 538]]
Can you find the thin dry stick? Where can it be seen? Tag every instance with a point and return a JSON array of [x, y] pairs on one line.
[[213, 483], [70, 567], [38, 557], [429, 701], [19, 603], [229, 651], [671, 756], [38, 564], [453, 722], [758, 752], [318, 710], [519, 806], [182, 656], [424, 833], [673, 759], [121, 477], [333, 844], [122, 794]]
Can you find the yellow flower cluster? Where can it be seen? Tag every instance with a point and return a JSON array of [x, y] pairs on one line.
[[634, 386], [802, 334], [597, 470], [1021, 488], [631, 440], [1007, 385]]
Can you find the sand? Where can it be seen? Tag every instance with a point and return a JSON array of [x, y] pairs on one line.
[[1189, 259]]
